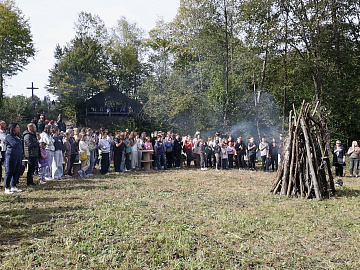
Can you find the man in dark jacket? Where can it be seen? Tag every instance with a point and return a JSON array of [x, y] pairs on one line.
[[31, 151], [240, 148], [74, 151]]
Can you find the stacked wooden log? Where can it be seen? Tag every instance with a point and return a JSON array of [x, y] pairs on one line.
[[305, 169]]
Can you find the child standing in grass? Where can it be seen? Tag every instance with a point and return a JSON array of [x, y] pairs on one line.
[[43, 163], [231, 152], [217, 152], [202, 153], [224, 156], [264, 151]]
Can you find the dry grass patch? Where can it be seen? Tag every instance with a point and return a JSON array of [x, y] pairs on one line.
[[177, 219]]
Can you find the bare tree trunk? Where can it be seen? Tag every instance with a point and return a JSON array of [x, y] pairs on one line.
[[226, 107], [336, 33], [285, 69]]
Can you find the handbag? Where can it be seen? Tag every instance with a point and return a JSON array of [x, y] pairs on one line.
[[83, 156]]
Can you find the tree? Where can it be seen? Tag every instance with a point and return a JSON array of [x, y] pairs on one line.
[[125, 52], [80, 70], [16, 44], [16, 109]]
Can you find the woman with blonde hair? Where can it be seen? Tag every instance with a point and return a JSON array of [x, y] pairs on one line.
[[84, 148], [76, 134], [354, 152]]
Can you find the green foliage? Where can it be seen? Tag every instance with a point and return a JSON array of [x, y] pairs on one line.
[[125, 53], [16, 44], [229, 65], [16, 109]]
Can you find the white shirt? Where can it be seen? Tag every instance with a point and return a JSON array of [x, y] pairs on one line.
[[265, 151], [44, 137], [84, 147], [134, 148], [224, 154], [2, 140]]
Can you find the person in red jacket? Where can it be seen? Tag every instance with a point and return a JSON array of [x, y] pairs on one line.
[[188, 146]]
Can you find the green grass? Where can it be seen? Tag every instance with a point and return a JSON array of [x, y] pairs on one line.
[[177, 219]]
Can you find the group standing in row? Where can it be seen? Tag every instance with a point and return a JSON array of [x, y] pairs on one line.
[[52, 152]]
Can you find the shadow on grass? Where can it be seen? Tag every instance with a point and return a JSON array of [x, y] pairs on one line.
[[74, 184], [79, 187], [24, 224], [347, 192]]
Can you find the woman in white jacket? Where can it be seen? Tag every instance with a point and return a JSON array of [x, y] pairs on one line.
[[46, 137], [84, 147]]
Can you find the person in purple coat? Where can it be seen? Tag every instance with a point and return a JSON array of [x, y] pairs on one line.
[[43, 163]]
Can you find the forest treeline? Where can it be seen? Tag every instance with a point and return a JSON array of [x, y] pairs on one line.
[[231, 65]]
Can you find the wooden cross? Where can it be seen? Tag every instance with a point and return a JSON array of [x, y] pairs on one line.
[[32, 90]]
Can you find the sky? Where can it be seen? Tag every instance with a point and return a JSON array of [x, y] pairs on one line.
[[52, 22]]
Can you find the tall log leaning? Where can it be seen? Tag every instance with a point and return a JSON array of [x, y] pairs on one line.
[[286, 178], [293, 152], [314, 179]]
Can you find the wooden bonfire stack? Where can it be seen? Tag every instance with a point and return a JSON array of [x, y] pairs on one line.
[[305, 170]]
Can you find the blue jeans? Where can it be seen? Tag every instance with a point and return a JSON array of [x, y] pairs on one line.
[[92, 162], [161, 159], [12, 166]]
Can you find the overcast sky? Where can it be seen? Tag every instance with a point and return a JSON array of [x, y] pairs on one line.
[[52, 22]]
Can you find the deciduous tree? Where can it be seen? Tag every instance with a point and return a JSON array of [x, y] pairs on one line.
[[16, 43]]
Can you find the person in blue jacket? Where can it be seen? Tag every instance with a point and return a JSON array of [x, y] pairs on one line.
[[13, 157], [160, 153], [169, 146]]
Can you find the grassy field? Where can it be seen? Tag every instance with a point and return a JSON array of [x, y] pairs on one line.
[[177, 219]]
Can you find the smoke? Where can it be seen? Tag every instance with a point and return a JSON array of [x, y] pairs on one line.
[[261, 120], [264, 119]]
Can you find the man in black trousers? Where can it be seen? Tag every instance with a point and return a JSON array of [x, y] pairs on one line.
[[31, 151]]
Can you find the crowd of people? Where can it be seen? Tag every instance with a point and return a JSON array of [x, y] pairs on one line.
[[51, 152]]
